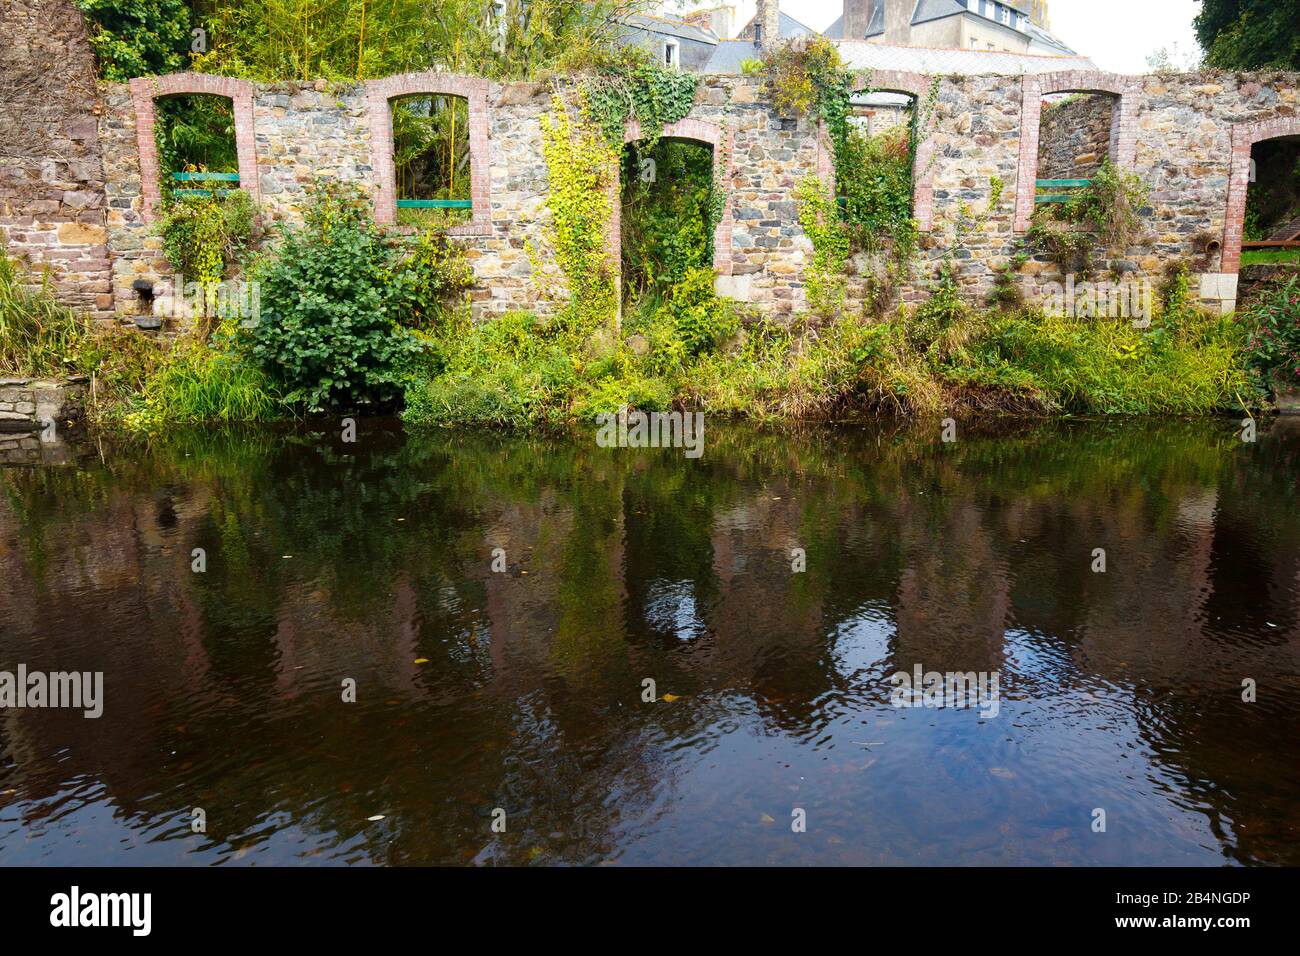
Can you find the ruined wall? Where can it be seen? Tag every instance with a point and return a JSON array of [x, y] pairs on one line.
[[1074, 138], [51, 178], [1188, 129]]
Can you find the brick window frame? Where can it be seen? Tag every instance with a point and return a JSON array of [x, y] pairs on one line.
[[699, 131], [1123, 127], [146, 89], [379, 95], [1244, 136], [916, 85]]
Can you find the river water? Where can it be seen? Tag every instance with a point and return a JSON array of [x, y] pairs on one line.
[[497, 605]]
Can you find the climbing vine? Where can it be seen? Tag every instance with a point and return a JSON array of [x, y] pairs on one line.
[[873, 174], [581, 165], [830, 240], [649, 94]]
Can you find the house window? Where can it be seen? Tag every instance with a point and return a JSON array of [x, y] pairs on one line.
[[1005, 13], [672, 58]]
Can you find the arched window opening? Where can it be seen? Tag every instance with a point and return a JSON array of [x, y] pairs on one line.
[[670, 208], [431, 159], [195, 137], [874, 180], [1271, 226], [1076, 137]]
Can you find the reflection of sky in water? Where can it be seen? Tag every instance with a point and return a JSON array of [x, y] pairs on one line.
[[670, 609]]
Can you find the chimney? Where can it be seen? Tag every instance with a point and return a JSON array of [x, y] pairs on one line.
[[768, 26], [898, 21], [857, 17]]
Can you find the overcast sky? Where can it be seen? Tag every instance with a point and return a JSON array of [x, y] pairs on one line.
[[1117, 34]]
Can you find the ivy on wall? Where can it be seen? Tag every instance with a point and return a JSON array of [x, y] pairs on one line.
[[821, 223], [649, 94], [582, 166]]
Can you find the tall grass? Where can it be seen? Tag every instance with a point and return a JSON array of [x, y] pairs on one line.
[[38, 334], [200, 382]]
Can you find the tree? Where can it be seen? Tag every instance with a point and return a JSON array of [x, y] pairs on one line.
[[1250, 34], [138, 37]]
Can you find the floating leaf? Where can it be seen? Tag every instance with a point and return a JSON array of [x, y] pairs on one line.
[[422, 660]]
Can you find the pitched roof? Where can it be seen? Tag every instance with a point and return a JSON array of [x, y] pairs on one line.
[[874, 28], [861, 55], [667, 27], [927, 10]]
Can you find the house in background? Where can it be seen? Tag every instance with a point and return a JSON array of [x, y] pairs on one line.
[[921, 36], [1000, 26]]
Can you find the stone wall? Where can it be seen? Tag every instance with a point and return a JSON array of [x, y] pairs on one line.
[[1182, 135], [51, 180], [1074, 138], [30, 403]]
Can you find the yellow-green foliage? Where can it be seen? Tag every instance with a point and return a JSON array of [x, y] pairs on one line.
[[830, 239], [206, 382], [38, 335], [582, 168], [1182, 365]]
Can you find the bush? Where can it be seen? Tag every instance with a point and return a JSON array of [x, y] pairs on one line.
[[335, 297], [1273, 348], [699, 316], [204, 235]]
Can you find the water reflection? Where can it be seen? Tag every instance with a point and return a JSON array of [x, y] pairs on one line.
[[328, 561]]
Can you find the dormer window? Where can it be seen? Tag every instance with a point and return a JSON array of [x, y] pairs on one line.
[[672, 54]]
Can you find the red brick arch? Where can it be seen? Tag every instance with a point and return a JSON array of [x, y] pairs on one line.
[[698, 131], [475, 91], [145, 89], [1244, 136], [1123, 131]]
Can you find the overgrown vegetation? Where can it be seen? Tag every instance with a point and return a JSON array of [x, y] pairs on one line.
[[353, 39], [1102, 216], [38, 335], [580, 165], [204, 235], [1273, 352]]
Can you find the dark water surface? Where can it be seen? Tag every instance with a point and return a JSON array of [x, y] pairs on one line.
[[522, 690]]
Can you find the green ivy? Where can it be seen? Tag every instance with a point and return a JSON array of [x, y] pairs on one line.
[[202, 236], [821, 223], [650, 94], [138, 37], [581, 166]]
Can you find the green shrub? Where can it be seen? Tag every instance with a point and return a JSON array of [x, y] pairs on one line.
[[700, 317], [38, 334], [204, 235], [429, 282], [1273, 349], [329, 334]]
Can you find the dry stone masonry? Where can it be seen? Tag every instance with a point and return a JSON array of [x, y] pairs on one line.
[[79, 173]]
